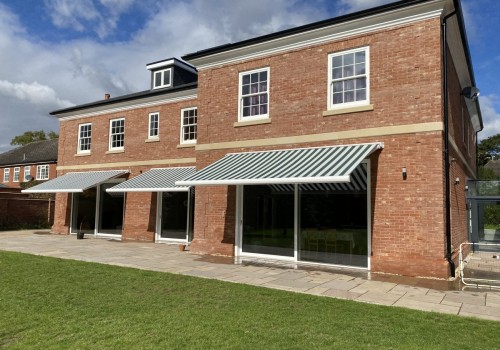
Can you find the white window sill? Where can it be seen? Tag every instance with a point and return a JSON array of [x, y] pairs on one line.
[[152, 140], [346, 110], [252, 122], [83, 154], [186, 145], [115, 151]]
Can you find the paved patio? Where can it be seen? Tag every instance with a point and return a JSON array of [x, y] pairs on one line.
[[414, 293]]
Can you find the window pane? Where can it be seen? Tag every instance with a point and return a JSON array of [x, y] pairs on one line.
[[245, 89], [361, 95], [246, 111], [246, 79], [349, 96], [263, 87], [254, 77], [348, 71], [337, 61], [263, 76], [360, 56], [338, 98], [360, 69], [157, 79], [337, 73], [263, 109], [254, 88], [338, 86], [349, 85], [361, 83], [246, 101], [348, 59], [166, 77]]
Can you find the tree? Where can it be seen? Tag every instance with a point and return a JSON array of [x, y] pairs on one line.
[[488, 148], [32, 136]]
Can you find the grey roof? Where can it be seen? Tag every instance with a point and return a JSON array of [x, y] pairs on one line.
[[128, 97], [32, 153], [156, 180], [291, 166]]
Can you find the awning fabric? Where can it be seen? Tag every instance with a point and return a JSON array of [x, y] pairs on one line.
[[156, 180], [75, 182], [301, 165]]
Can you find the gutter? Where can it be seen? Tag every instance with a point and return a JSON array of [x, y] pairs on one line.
[[447, 143]]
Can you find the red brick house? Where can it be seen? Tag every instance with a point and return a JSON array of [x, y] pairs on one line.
[[343, 142], [34, 161]]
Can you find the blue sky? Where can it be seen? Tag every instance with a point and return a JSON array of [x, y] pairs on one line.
[[59, 53]]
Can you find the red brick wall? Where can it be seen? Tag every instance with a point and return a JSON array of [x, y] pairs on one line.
[[136, 132], [405, 80], [408, 217], [140, 216], [462, 161], [20, 211], [17, 184], [140, 208], [62, 219]]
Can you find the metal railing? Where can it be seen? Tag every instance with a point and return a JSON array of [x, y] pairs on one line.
[[480, 264]]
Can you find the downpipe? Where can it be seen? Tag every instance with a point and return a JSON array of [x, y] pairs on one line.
[[447, 143]]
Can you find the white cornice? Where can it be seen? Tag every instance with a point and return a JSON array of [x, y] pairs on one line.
[[128, 105], [339, 31]]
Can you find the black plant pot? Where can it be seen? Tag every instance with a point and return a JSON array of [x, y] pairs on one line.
[[79, 235]]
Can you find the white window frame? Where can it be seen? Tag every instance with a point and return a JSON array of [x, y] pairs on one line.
[[27, 172], [42, 172], [161, 74], [183, 140], [112, 135], [157, 129], [80, 138], [6, 174], [17, 171], [241, 96], [330, 79]]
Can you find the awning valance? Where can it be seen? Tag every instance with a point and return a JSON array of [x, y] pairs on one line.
[[75, 182], [156, 180], [301, 165]]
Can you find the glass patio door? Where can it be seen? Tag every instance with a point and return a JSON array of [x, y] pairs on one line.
[[174, 215], [268, 221]]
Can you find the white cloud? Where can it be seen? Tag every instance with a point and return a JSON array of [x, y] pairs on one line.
[[358, 5], [33, 93], [490, 107], [87, 15], [71, 14]]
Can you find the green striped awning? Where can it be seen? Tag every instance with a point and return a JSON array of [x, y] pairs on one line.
[[75, 182], [156, 180], [301, 165]]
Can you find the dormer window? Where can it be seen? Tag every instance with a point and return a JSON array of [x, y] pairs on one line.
[[162, 78]]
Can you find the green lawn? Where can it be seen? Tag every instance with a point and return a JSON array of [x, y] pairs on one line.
[[48, 303]]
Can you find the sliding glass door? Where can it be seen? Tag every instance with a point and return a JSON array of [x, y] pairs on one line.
[[324, 223], [268, 221]]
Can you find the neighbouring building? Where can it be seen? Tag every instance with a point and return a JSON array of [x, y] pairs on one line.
[[343, 142], [34, 161]]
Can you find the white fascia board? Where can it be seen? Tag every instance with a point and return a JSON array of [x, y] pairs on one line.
[[334, 32], [171, 62], [165, 189], [297, 180], [161, 64], [457, 50], [190, 94]]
